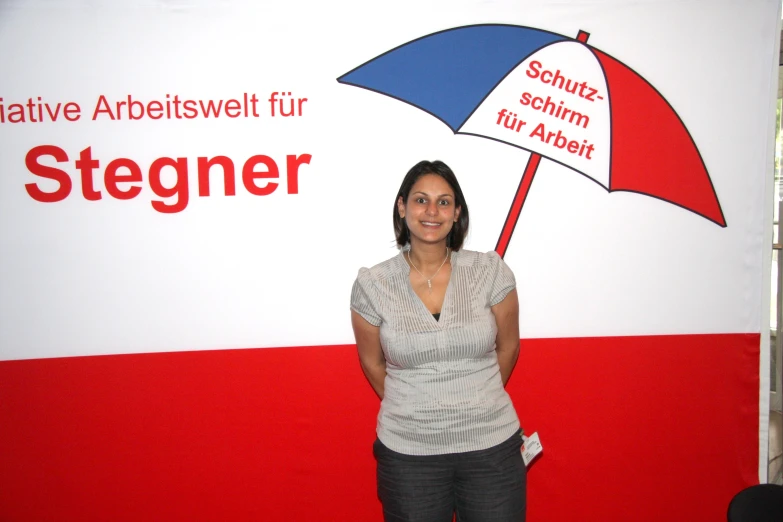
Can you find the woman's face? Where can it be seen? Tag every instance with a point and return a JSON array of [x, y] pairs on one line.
[[430, 211]]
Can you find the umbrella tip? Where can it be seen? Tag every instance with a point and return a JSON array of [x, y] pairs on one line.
[[583, 36]]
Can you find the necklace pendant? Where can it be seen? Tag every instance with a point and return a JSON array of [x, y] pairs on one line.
[[429, 280]]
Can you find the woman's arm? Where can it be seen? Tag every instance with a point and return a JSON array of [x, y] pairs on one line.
[[368, 343], [507, 342]]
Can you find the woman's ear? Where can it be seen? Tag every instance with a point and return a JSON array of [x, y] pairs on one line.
[[456, 213], [401, 207]]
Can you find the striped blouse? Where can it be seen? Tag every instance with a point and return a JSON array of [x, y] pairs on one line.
[[443, 392]]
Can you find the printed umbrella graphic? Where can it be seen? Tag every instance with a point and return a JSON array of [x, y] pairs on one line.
[[556, 97]]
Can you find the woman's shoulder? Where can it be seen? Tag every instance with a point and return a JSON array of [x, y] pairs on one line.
[[481, 259], [382, 270]]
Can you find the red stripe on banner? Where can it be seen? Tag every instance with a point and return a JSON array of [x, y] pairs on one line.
[[633, 428], [640, 428]]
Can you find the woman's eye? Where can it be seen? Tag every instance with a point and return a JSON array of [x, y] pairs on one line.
[[421, 200], [444, 202]]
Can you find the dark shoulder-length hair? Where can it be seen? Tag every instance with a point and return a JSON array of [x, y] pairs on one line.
[[460, 229]]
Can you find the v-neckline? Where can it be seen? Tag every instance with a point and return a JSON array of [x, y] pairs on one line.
[[422, 306]]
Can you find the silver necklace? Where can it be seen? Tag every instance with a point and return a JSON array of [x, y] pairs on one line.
[[429, 279]]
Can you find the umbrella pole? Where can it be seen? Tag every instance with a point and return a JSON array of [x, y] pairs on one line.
[[516, 205]]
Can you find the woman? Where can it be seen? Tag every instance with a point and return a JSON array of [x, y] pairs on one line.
[[437, 330]]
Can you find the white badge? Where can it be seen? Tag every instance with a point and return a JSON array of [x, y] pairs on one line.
[[531, 447]]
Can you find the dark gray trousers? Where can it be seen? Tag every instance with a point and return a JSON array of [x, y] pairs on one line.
[[480, 486]]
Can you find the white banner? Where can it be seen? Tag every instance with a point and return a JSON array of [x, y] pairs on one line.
[[191, 175]]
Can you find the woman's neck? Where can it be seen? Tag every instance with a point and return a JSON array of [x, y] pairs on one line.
[[428, 256]]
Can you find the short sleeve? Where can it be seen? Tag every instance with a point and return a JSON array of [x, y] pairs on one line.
[[503, 280], [363, 298]]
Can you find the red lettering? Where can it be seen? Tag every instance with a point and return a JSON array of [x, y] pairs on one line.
[[556, 77], [53, 116], [180, 188], [72, 111], [211, 108], [168, 177], [85, 164], [561, 82], [102, 107], [189, 110], [155, 107], [120, 105], [249, 175], [31, 161], [16, 113], [204, 165], [560, 141], [533, 103], [533, 69], [137, 105], [292, 171], [30, 106], [235, 106], [112, 177], [538, 132]]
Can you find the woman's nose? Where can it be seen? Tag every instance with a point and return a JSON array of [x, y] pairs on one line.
[[432, 208]]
